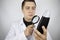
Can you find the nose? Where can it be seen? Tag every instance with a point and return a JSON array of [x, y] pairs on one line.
[[30, 9]]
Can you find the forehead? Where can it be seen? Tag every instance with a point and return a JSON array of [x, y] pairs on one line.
[[30, 4]]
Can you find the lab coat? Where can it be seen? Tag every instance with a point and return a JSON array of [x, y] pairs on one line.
[[17, 32]]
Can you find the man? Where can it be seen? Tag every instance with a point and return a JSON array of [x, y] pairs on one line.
[[20, 30]]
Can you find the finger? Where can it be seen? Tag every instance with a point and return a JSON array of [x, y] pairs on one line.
[[44, 30], [38, 33], [31, 26], [30, 30], [36, 36]]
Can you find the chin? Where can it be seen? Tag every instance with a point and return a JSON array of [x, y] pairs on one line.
[[30, 17]]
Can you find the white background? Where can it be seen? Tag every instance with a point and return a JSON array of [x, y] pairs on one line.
[[10, 11]]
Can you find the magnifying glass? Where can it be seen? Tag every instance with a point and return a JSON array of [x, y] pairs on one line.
[[35, 19]]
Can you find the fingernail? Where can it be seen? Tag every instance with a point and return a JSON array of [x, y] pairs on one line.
[[42, 26]]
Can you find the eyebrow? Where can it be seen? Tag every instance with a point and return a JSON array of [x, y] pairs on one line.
[[29, 6]]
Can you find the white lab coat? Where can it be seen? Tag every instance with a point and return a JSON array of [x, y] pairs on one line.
[[17, 32]]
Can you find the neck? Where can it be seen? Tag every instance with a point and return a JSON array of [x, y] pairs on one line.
[[28, 20]]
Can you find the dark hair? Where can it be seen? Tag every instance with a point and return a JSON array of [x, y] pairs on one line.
[[23, 3]]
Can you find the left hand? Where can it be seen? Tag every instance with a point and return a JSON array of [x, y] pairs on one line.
[[39, 36]]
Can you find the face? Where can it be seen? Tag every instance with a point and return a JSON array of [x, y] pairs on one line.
[[29, 10]]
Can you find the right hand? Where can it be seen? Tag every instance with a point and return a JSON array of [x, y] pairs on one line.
[[29, 30], [39, 36]]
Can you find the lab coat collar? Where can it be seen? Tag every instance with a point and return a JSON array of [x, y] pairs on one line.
[[21, 23]]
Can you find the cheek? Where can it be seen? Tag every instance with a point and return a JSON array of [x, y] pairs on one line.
[[25, 13], [33, 12]]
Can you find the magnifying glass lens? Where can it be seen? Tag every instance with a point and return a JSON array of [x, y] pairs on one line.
[[35, 19]]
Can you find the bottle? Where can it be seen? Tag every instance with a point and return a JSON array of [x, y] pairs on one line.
[[43, 21]]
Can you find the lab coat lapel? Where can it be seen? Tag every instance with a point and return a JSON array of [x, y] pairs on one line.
[[22, 25]]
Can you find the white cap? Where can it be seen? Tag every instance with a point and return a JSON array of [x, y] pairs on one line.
[[46, 13]]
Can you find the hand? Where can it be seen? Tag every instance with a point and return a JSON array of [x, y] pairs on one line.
[[29, 30], [39, 36]]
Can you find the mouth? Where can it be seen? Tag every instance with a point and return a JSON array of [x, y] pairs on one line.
[[31, 15]]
